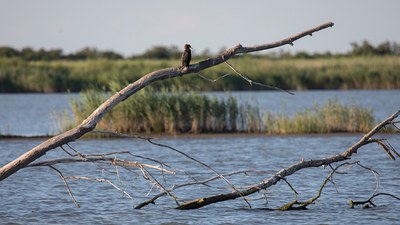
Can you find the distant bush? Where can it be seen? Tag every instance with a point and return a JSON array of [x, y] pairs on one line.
[[173, 52], [30, 54], [161, 52]]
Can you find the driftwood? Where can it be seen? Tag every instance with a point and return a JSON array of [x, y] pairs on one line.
[[90, 123], [366, 139], [113, 160]]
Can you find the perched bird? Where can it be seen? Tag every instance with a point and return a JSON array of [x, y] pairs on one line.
[[186, 55]]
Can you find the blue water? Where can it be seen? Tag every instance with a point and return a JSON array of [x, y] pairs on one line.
[[38, 195]]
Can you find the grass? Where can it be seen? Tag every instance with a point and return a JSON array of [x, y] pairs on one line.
[[174, 111], [366, 72], [332, 117]]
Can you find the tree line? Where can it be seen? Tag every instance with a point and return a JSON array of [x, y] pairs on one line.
[[173, 52]]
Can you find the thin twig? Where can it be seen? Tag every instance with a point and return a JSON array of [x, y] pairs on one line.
[[112, 161], [150, 140], [303, 205], [66, 185], [212, 80], [103, 180], [162, 187], [256, 83], [296, 194], [202, 182], [376, 175]]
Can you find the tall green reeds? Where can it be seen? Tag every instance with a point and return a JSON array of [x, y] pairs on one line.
[[174, 111], [366, 72], [166, 111], [329, 118]]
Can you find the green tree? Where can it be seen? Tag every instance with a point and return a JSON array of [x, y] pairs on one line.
[[8, 52]]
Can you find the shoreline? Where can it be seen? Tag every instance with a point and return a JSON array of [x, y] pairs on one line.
[[200, 136]]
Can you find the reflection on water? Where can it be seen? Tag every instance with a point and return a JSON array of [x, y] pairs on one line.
[[38, 195], [33, 114]]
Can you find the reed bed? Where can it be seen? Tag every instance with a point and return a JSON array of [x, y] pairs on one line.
[[332, 117], [362, 72], [175, 111], [167, 111]]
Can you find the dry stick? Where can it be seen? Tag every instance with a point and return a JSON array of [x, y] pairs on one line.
[[66, 185], [204, 164], [118, 134], [212, 80], [376, 175], [102, 180], [112, 161], [253, 82], [162, 187], [392, 148], [200, 202], [296, 194], [182, 153], [303, 205], [202, 182], [90, 122]]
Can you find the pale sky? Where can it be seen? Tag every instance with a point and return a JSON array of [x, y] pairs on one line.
[[130, 27]]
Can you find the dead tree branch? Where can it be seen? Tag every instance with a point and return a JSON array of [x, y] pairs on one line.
[[201, 182], [150, 140], [66, 185], [111, 161], [296, 205], [365, 203], [90, 122], [251, 82], [366, 139]]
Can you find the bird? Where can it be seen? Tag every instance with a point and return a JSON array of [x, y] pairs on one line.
[[186, 55]]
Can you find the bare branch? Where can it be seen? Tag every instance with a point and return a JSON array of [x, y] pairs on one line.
[[296, 194], [200, 202], [213, 80], [376, 175], [66, 185], [90, 122], [202, 182], [102, 180], [354, 203], [255, 83], [111, 161], [180, 152]]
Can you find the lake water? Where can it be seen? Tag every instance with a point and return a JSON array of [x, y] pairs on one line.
[[38, 195]]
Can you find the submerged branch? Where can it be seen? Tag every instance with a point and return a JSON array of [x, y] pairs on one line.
[[200, 202], [354, 203]]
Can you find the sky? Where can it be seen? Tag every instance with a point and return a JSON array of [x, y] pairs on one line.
[[131, 27]]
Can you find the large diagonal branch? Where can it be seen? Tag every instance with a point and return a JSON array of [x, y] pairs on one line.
[[90, 123], [200, 202]]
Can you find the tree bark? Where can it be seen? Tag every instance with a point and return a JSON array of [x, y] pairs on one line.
[[90, 123]]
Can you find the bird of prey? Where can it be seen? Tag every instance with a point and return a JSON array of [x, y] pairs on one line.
[[186, 55]]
